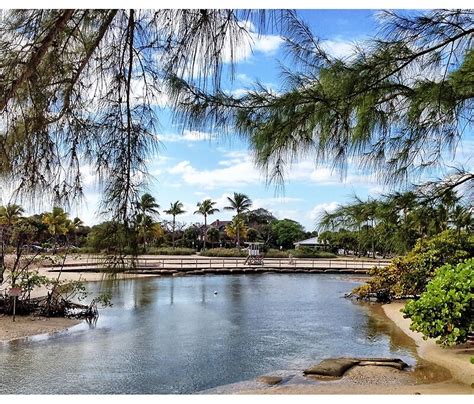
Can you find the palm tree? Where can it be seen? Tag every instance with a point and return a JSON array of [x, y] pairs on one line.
[[461, 218], [206, 208], [74, 226], [175, 209], [213, 235], [240, 203], [236, 228], [58, 223], [147, 205], [148, 208], [10, 214]]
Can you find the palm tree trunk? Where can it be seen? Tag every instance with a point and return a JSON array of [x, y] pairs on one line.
[[205, 230], [373, 238], [238, 233], [172, 234]]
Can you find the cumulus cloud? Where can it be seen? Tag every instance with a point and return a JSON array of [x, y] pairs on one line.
[[186, 136], [237, 169], [272, 203], [338, 48], [239, 174], [320, 208], [251, 43]]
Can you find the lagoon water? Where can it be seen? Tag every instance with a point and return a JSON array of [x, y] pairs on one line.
[[175, 335]]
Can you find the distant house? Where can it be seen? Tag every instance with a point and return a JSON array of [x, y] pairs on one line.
[[312, 242], [220, 224]]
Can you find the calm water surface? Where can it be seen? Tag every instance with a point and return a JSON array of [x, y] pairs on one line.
[[174, 335]]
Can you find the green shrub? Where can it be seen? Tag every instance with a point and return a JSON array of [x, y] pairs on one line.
[[408, 275], [305, 252], [170, 251], [274, 253], [224, 252], [86, 250], [444, 309]]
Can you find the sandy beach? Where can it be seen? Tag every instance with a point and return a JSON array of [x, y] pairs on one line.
[[457, 360], [439, 371], [26, 326]]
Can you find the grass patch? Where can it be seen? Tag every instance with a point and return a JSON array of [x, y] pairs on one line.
[[224, 252], [274, 253], [170, 251], [310, 253]]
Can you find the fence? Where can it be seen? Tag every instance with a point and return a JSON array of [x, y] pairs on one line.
[[185, 264]]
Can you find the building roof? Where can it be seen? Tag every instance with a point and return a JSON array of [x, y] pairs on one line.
[[219, 224], [308, 241]]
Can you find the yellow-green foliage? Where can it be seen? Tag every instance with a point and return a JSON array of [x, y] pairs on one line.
[[408, 275], [444, 309]]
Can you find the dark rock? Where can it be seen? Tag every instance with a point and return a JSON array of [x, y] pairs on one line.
[[331, 367], [394, 364], [337, 367], [270, 380]]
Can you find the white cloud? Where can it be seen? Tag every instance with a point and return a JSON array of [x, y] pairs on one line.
[[338, 48], [319, 209], [186, 136], [89, 175], [272, 203], [239, 92], [266, 43], [251, 43], [238, 170]]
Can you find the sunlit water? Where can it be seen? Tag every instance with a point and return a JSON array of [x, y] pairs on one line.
[[174, 335]]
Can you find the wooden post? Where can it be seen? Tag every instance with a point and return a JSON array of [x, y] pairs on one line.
[[14, 307]]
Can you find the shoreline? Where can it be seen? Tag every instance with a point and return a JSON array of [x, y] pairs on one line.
[[32, 326], [438, 371], [455, 362]]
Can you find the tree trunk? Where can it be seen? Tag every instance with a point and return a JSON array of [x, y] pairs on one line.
[[205, 231], [373, 238], [172, 234]]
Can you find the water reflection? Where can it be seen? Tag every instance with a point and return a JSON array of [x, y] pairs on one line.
[[173, 335]]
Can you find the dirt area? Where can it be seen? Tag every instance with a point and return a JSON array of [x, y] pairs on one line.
[[26, 326]]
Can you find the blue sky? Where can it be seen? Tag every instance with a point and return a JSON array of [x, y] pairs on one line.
[[192, 166]]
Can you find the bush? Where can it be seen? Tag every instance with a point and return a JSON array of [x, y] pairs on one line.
[[305, 252], [444, 309], [86, 250], [224, 252], [407, 276], [170, 251], [274, 253]]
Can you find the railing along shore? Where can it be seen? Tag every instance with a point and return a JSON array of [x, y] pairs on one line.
[[193, 265]]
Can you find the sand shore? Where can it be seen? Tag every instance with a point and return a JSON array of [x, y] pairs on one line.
[[442, 371], [26, 326], [457, 360]]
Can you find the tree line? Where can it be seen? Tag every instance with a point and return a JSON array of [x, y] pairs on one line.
[[147, 231], [392, 224]]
